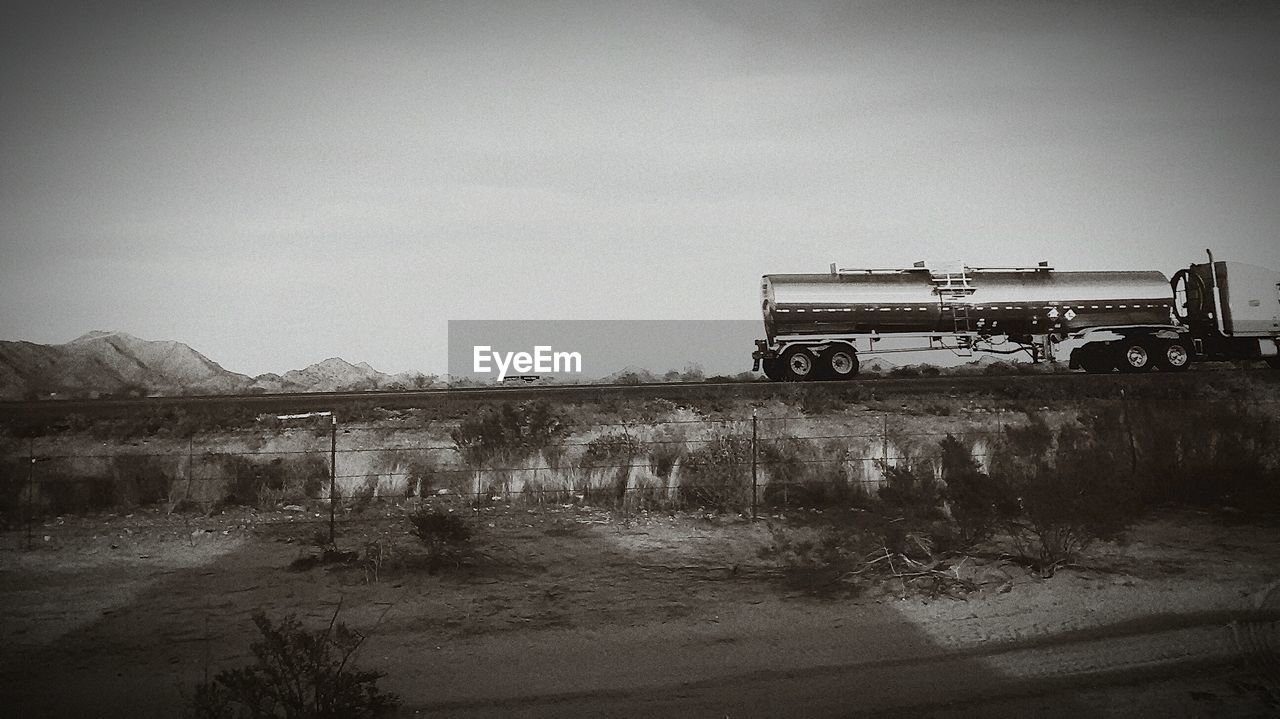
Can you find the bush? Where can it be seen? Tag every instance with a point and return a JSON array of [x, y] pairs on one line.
[[1071, 492], [663, 458], [818, 560], [444, 535], [419, 477], [613, 453], [1205, 454], [911, 491], [509, 432], [803, 475], [258, 483], [140, 480], [129, 480], [718, 474], [76, 494], [298, 674], [840, 554], [979, 503]]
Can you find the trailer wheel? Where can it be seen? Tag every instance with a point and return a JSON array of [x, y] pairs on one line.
[[772, 369], [839, 362], [1174, 357], [1134, 356], [798, 364]]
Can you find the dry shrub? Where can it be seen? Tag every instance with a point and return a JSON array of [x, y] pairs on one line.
[[842, 555], [718, 473], [444, 535], [496, 438], [127, 481], [260, 482], [69, 495], [1201, 453], [141, 480], [612, 455], [509, 432], [297, 674], [663, 457], [1070, 490], [818, 559], [803, 474], [911, 490], [978, 502]]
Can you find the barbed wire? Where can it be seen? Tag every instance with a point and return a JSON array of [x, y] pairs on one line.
[[205, 452], [40, 486]]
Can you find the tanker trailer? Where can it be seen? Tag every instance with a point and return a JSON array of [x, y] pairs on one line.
[[817, 325]]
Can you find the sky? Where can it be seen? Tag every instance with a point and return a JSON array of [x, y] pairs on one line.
[[275, 183]]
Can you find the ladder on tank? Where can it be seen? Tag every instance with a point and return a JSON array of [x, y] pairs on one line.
[[953, 289]]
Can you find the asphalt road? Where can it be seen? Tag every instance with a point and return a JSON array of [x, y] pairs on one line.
[[1017, 386]]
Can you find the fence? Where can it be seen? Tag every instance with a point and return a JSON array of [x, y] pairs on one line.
[[741, 464]]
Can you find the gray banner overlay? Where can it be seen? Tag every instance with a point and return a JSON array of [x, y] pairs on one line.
[[593, 350]]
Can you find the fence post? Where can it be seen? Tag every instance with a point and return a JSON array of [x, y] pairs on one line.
[[755, 423], [31, 487], [884, 441], [333, 473], [190, 469]]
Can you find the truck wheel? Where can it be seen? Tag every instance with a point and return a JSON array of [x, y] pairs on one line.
[[1096, 362], [1134, 356], [1174, 357], [798, 364], [839, 362], [772, 369]]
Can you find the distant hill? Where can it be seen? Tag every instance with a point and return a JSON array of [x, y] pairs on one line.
[[336, 374], [119, 364]]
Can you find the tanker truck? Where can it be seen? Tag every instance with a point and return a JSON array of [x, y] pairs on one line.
[[818, 326]]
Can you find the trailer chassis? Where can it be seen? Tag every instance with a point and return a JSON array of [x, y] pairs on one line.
[[835, 356]]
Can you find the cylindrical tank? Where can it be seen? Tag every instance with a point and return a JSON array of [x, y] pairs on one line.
[[995, 302]]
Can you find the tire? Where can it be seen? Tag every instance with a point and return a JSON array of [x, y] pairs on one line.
[[839, 362], [772, 369], [1134, 356], [1174, 357], [798, 364]]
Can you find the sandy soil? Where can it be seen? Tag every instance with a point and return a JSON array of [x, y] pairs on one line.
[[578, 612]]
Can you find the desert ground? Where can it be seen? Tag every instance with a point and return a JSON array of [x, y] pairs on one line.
[[573, 600], [575, 611]]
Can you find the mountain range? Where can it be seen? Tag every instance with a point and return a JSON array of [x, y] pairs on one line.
[[119, 364]]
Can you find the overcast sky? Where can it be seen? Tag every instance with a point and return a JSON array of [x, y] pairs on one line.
[[277, 183]]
